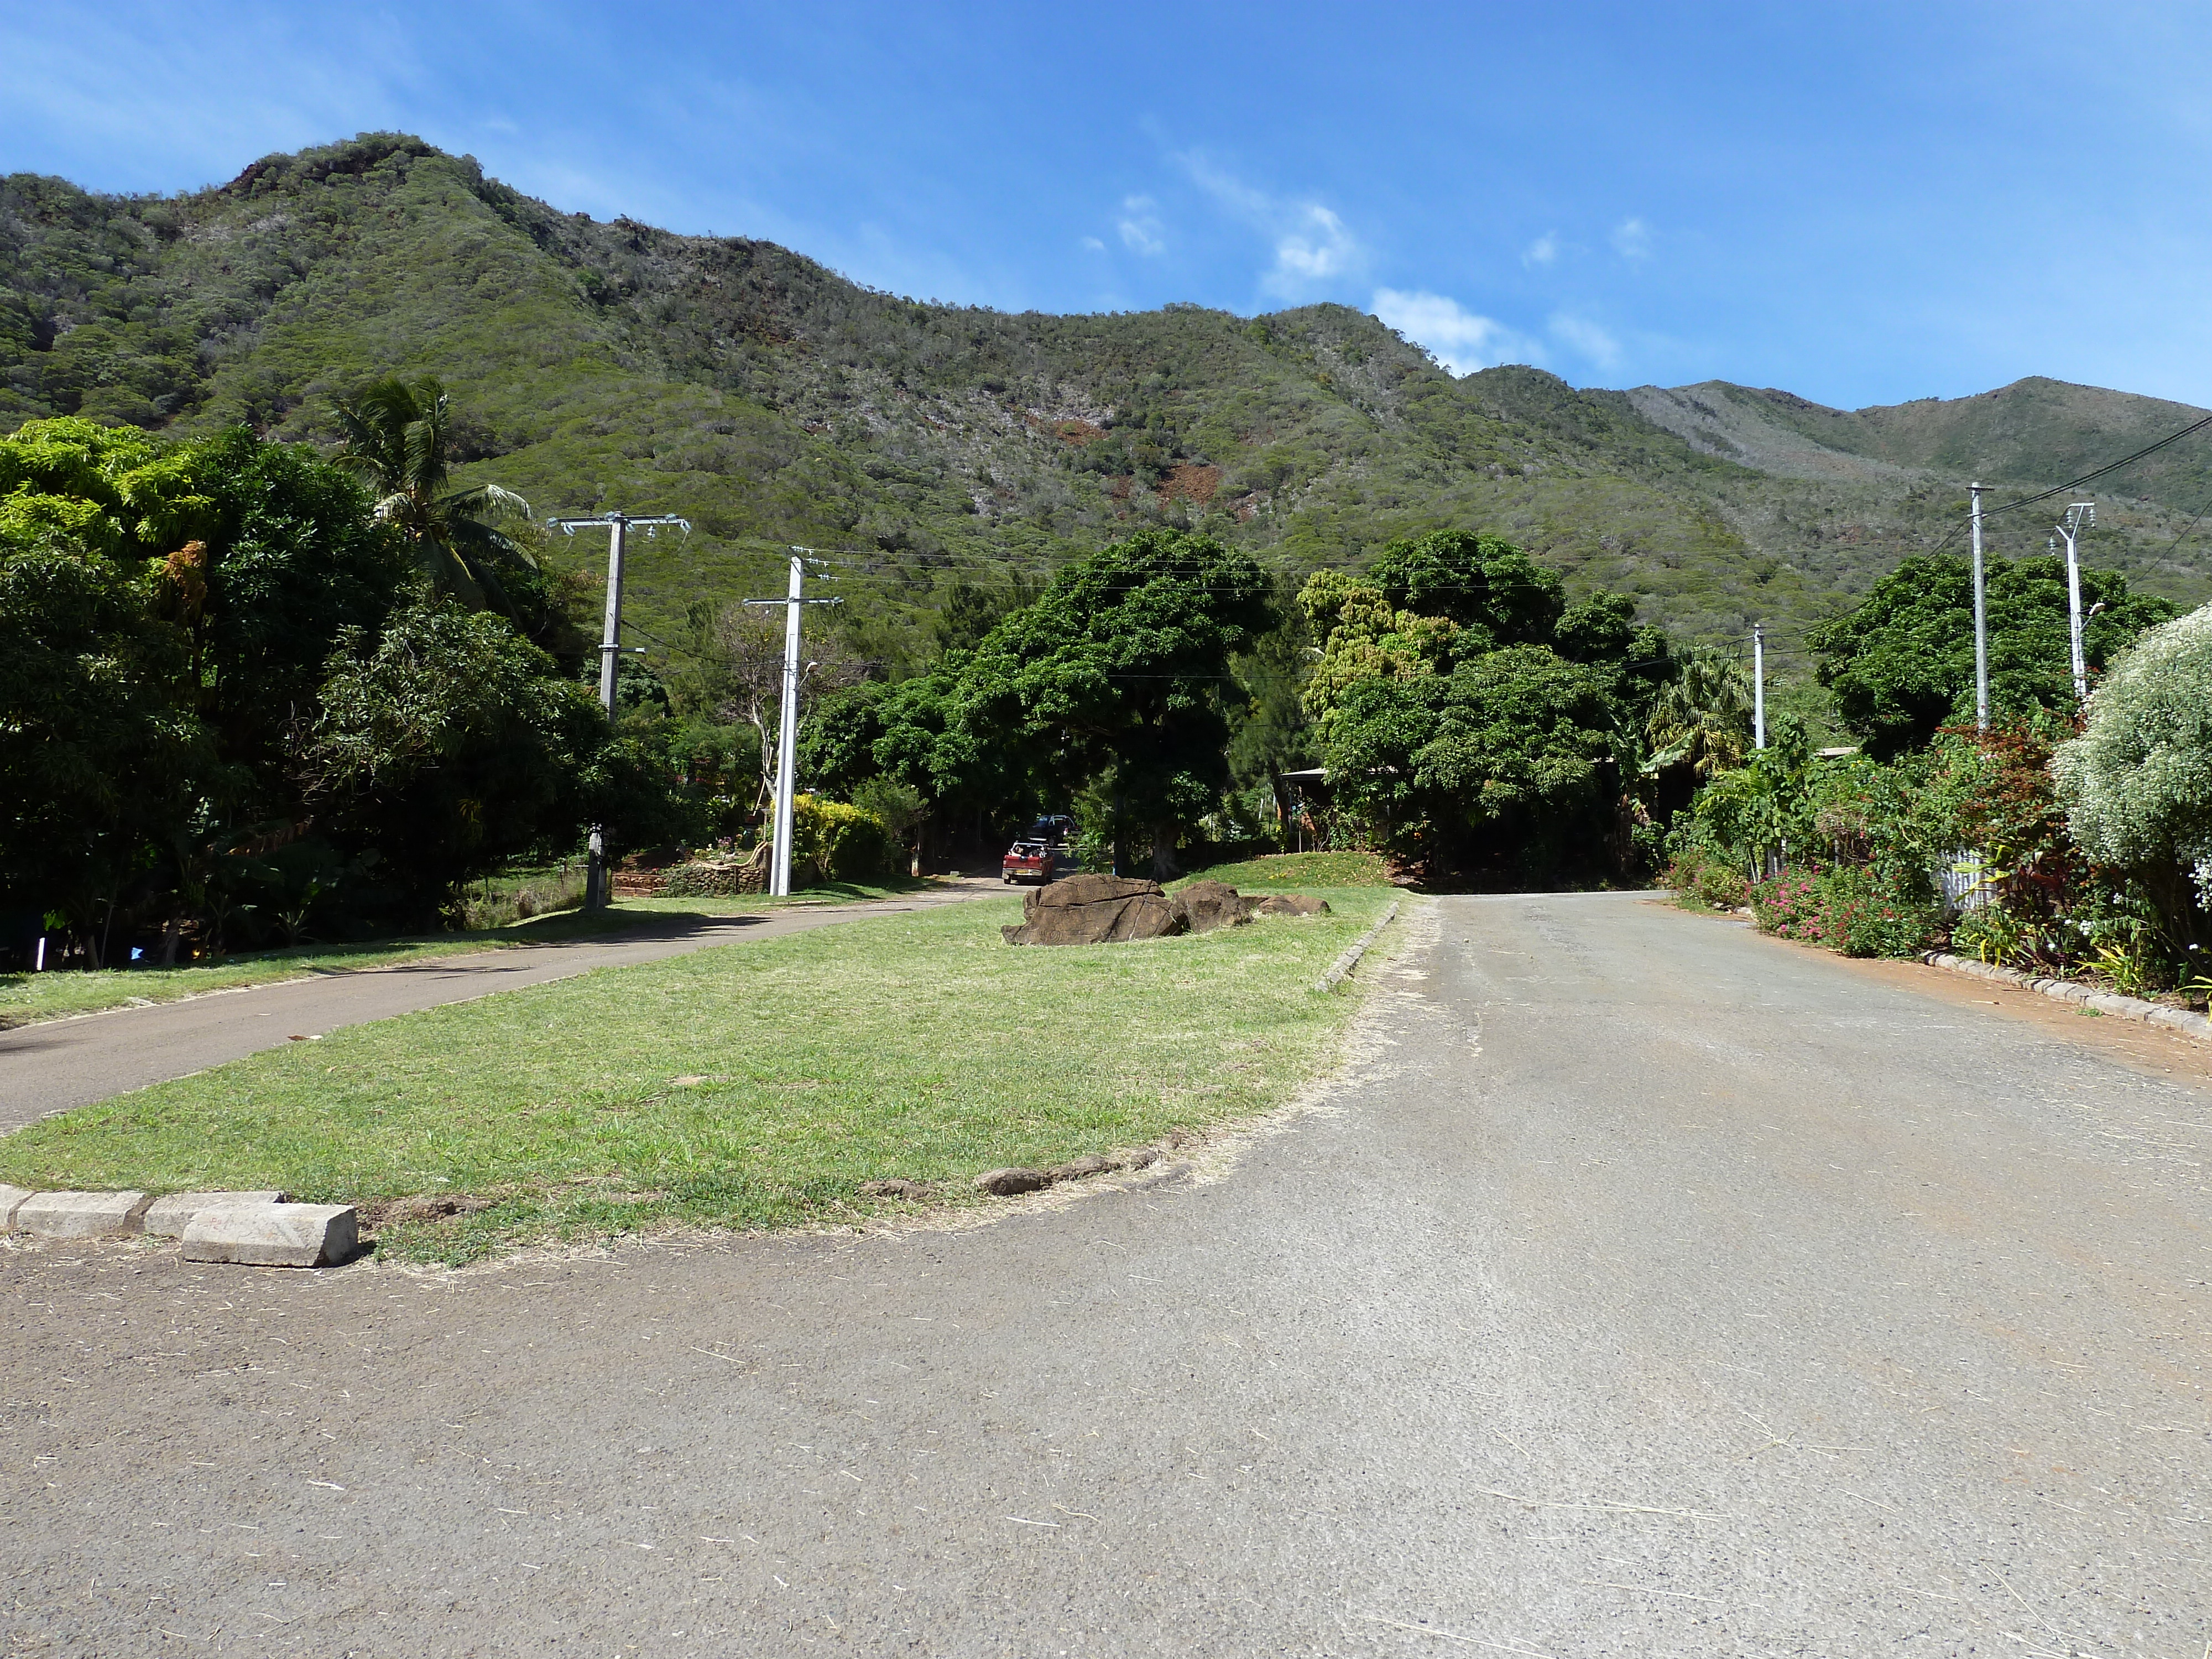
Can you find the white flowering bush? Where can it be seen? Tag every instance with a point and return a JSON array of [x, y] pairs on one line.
[[2137, 783]]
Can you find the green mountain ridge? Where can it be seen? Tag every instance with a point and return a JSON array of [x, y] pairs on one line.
[[772, 402]]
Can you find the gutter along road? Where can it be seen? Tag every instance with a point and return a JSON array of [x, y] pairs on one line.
[[1644, 1286]]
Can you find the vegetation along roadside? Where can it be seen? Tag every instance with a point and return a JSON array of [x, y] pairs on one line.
[[2068, 841]]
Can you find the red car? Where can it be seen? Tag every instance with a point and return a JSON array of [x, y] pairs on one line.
[[1031, 861]]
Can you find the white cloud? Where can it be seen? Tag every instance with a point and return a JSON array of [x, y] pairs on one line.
[[1092, 245], [1586, 338], [1313, 245], [1632, 239], [1319, 248], [1455, 336], [1141, 227], [1543, 250]]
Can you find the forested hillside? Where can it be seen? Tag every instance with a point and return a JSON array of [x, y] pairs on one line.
[[771, 401]]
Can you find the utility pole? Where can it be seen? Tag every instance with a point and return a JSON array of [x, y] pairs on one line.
[[611, 648], [1758, 687], [786, 755], [1981, 625], [2081, 516]]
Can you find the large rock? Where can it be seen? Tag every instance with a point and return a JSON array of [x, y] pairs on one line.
[[1290, 904], [1095, 910], [1207, 905]]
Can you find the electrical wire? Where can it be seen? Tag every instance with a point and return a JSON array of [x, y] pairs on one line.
[[2086, 477]]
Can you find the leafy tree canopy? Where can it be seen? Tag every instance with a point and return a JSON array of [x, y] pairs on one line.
[[1510, 763], [1486, 585], [169, 608], [1121, 671], [1493, 730], [449, 744], [1901, 665]]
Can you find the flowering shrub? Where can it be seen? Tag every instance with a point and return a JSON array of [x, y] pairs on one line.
[[1698, 879], [1853, 908]]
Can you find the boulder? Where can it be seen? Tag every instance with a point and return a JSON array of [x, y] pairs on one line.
[[1094, 909], [1290, 904], [1207, 905]]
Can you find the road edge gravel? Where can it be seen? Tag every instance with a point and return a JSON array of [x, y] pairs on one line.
[[2105, 1002]]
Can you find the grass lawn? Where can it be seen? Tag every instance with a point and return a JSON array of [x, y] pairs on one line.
[[1277, 872], [834, 892], [27, 998], [752, 1085]]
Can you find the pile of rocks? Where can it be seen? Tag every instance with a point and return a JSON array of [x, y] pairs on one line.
[[1097, 910], [260, 1230]]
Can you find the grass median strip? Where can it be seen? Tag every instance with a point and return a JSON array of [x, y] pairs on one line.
[[747, 1085], [28, 999]]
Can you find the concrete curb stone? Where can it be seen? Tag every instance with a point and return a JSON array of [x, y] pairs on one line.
[[172, 1213], [274, 1234], [1341, 970], [83, 1215], [2105, 1002]]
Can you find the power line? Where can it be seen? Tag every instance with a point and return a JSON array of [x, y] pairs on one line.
[[2086, 477]]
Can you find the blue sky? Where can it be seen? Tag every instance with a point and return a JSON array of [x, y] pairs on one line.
[[1862, 204]]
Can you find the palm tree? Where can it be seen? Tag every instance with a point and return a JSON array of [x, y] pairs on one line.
[[1703, 715], [396, 436]]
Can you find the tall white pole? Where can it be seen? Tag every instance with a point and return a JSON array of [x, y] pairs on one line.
[[1981, 625], [787, 735], [595, 876], [2070, 528], [1758, 686]]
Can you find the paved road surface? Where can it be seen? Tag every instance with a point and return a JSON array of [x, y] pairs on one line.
[[50, 1068], [1650, 1288]]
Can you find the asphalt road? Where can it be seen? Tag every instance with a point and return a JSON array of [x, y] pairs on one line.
[[52, 1066], [1647, 1288]]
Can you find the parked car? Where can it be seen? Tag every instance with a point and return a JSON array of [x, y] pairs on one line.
[[1057, 829], [1032, 860]]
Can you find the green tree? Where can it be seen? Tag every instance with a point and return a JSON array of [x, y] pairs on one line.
[[99, 757], [447, 745], [399, 437], [1120, 673], [1510, 763], [1902, 663], [1478, 582], [102, 750], [286, 556], [972, 611]]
